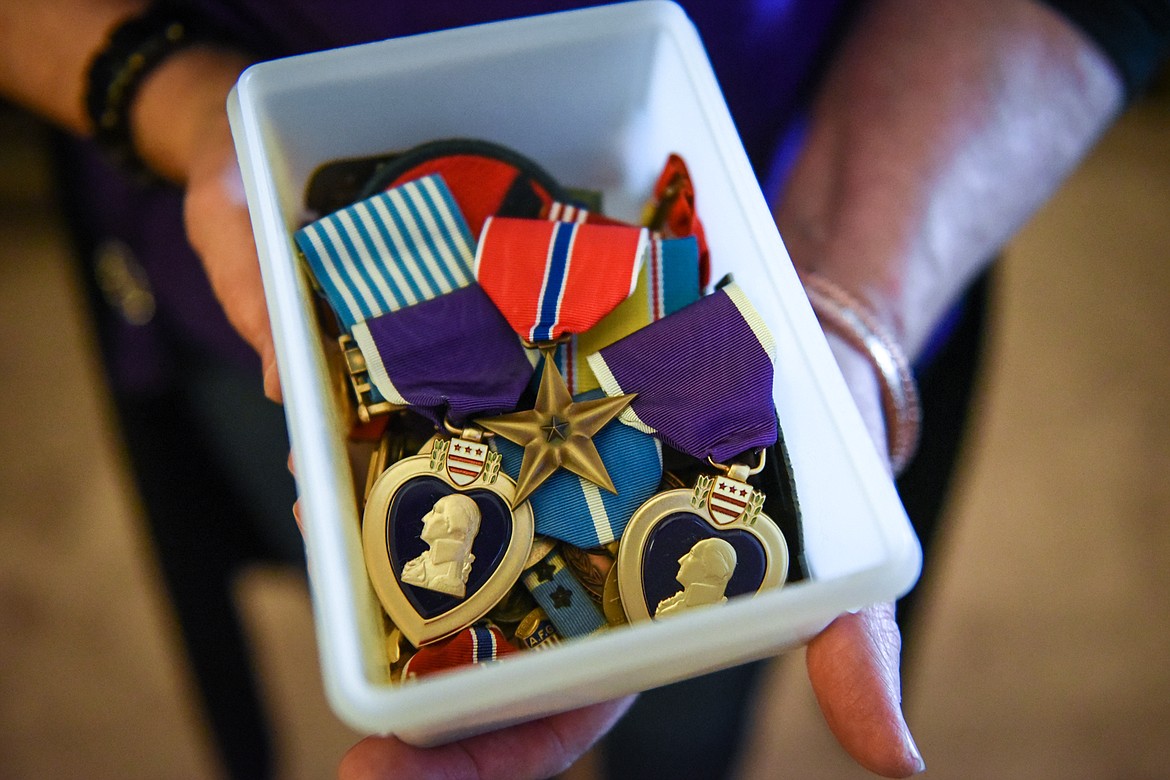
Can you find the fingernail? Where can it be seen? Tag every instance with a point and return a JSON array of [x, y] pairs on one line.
[[296, 510], [915, 754], [272, 383]]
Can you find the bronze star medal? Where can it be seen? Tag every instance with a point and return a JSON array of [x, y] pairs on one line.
[[557, 433]]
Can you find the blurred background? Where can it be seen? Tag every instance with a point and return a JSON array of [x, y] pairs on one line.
[[1044, 644]]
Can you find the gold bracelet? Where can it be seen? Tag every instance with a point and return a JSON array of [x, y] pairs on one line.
[[844, 315]]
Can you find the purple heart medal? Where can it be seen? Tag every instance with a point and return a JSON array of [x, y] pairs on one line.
[[443, 536], [703, 379]]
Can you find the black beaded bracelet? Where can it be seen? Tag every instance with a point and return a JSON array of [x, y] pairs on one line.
[[135, 48]]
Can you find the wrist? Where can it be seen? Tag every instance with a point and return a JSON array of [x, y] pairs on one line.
[[180, 105], [915, 173], [894, 423], [156, 87]]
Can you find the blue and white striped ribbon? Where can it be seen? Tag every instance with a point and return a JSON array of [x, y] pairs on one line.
[[395, 249]]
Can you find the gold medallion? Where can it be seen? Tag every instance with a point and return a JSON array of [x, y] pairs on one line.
[[686, 549], [444, 538], [557, 432]]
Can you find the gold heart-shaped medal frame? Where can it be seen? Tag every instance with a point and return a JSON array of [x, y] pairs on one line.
[[420, 630], [694, 502]]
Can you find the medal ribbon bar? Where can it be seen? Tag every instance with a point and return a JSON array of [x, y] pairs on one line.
[[554, 278]]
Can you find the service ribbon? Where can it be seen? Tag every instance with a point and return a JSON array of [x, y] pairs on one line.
[[550, 278], [478, 644], [571, 212], [703, 377], [562, 597], [393, 250]]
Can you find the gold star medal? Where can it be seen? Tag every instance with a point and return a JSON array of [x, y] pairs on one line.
[[558, 432]]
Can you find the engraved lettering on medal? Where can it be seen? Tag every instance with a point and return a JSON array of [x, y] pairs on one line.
[[449, 528], [704, 573]]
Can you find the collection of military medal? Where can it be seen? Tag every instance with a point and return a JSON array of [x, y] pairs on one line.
[[566, 433]]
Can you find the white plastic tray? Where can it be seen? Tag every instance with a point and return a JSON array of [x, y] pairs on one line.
[[598, 97]]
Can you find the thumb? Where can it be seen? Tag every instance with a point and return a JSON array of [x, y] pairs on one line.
[[853, 668]]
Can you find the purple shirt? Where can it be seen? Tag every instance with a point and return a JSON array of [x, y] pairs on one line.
[[763, 53]]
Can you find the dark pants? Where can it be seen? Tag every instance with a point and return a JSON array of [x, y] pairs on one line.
[[209, 461]]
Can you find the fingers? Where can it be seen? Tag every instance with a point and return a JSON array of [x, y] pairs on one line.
[[538, 749], [853, 668], [219, 229], [853, 664]]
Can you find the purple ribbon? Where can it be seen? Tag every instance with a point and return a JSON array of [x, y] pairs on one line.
[[452, 356], [703, 377]]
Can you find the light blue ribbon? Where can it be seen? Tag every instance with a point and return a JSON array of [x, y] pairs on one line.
[[395, 249]]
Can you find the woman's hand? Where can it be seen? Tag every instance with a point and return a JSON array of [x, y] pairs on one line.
[[937, 131], [529, 751], [219, 228], [854, 664]]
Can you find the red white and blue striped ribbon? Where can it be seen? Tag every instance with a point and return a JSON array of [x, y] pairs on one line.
[[551, 278], [477, 644], [568, 212], [483, 645]]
